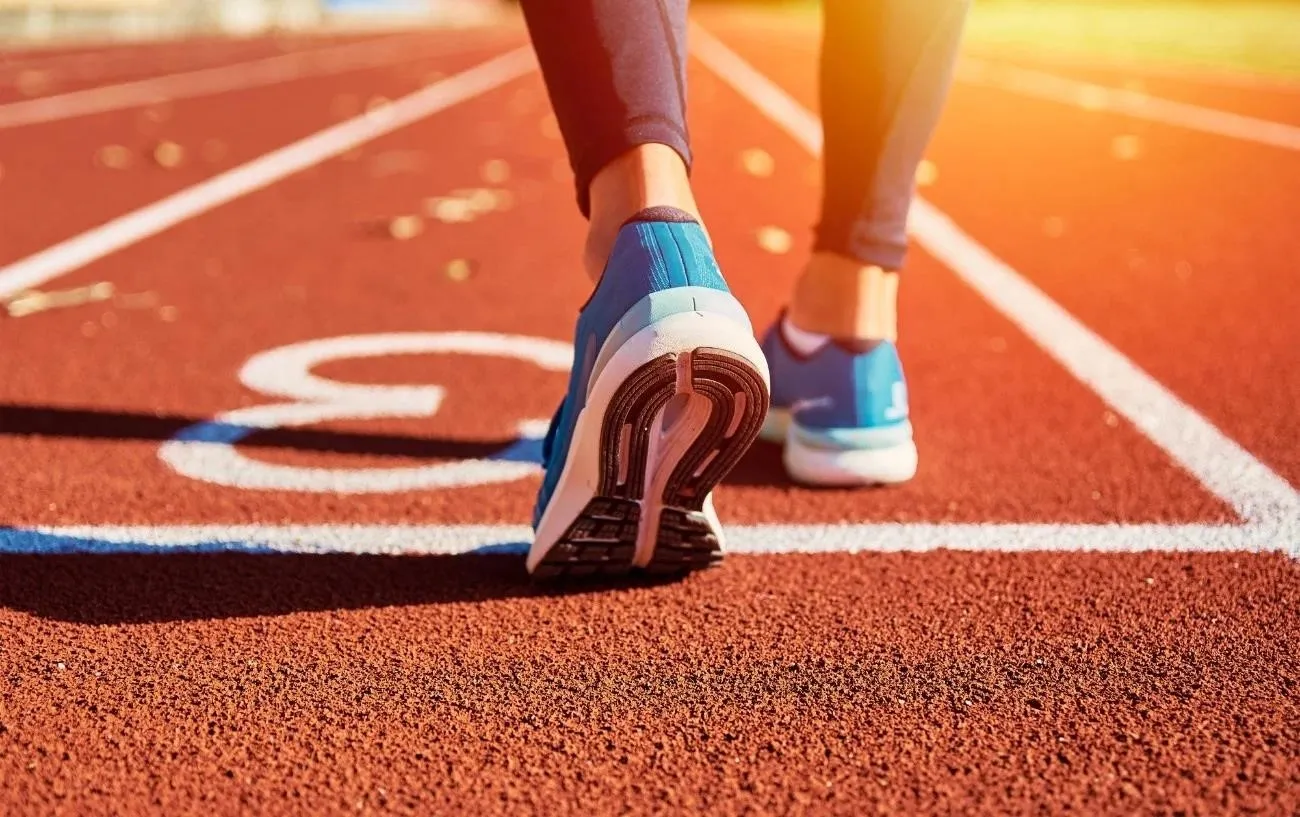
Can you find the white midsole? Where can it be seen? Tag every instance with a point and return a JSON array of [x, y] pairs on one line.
[[580, 478], [811, 465]]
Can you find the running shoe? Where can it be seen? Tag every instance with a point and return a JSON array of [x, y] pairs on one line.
[[841, 412], [668, 390]]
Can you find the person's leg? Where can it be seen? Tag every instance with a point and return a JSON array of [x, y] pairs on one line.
[[615, 71], [668, 386], [838, 387], [885, 70]]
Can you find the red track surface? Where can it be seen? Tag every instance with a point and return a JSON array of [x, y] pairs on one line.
[[925, 682], [70, 192], [36, 73]]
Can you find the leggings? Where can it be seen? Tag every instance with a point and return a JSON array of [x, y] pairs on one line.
[[615, 71]]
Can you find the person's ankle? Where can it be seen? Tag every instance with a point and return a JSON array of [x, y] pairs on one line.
[[843, 298], [651, 175]]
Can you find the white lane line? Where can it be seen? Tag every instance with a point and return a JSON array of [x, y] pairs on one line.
[[828, 538], [144, 55], [1253, 490], [1135, 69], [121, 232], [1093, 97], [209, 81]]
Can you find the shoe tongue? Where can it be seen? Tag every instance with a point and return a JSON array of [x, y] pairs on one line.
[[663, 213]]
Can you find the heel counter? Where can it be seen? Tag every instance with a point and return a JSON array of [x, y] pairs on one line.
[[659, 305], [649, 256], [697, 257], [880, 388]]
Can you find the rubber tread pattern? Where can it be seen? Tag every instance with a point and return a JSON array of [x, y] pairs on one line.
[[601, 541]]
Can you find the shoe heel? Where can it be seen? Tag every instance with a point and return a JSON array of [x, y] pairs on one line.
[[665, 433]]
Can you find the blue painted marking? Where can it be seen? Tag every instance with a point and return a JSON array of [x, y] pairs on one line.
[[525, 449], [33, 542], [214, 432], [500, 548], [24, 540]]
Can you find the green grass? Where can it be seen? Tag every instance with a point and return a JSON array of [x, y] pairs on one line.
[[1260, 37]]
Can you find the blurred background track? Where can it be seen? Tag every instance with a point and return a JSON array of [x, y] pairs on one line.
[[33, 23]]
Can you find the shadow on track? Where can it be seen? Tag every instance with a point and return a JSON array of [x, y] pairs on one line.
[[133, 588], [119, 588], [761, 465], [98, 424]]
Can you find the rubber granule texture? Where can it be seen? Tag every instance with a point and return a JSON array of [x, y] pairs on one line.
[[934, 683]]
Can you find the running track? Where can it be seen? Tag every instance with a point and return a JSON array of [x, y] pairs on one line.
[[1086, 600]]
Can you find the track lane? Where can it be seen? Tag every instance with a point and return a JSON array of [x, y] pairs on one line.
[[226, 78], [1275, 104], [333, 272], [1064, 470], [327, 269], [34, 75], [1140, 250], [1263, 96], [55, 186]]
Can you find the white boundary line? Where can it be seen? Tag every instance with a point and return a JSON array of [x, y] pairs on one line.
[[123, 231], [1254, 491], [1188, 72], [460, 539], [88, 59], [1093, 97], [1134, 69], [210, 81]]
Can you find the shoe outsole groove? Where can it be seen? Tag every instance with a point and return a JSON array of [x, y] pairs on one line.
[[602, 540]]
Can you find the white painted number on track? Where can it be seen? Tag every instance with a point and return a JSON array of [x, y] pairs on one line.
[[207, 451]]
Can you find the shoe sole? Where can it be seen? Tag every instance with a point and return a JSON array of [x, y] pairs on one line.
[[672, 430]]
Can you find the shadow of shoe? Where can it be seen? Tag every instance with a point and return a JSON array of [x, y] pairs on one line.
[[761, 466], [121, 588]]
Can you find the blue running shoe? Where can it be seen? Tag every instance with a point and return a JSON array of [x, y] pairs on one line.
[[841, 412], [668, 390]]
